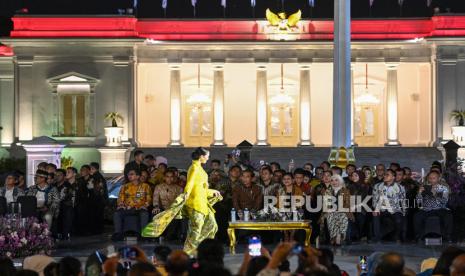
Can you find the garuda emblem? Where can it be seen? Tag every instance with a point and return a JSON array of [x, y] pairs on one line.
[[281, 22]]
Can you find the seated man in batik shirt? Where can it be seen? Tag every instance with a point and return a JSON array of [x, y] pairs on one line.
[[134, 200], [269, 188], [432, 200], [163, 196], [248, 195], [40, 191], [389, 203]]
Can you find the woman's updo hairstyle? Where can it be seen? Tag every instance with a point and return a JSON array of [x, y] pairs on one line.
[[198, 152]]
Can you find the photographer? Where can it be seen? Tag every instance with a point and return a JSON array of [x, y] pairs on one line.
[[432, 198]]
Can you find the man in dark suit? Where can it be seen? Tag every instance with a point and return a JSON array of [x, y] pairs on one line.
[[136, 164]]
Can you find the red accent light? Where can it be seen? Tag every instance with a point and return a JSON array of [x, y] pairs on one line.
[[6, 51], [26, 26], [74, 27]]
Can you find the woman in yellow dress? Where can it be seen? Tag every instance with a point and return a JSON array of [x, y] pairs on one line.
[[196, 203]]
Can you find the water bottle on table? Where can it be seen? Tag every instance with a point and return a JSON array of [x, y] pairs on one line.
[[246, 214], [233, 215]]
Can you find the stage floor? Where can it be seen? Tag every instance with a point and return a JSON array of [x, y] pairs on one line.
[[346, 256]]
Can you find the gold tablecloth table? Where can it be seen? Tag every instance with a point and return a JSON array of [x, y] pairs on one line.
[[267, 225]]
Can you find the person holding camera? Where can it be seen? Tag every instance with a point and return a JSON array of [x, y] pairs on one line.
[[432, 198]]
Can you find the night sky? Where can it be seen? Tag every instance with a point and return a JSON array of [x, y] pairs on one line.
[[213, 8]]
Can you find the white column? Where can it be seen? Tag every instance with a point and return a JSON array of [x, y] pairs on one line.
[[7, 108], [392, 121], [305, 108], [262, 105], [352, 105], [25, 103], [341, 75], [175, 105], [446, 98], [112, 160], [218, 105]]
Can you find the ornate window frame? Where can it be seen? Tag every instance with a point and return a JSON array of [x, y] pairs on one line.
[[73, 83]]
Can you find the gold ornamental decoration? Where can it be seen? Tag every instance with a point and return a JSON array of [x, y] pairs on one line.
[[280, 20]]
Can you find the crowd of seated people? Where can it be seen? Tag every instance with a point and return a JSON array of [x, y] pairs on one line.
[[403, 203], [70, 203], [400, 202]]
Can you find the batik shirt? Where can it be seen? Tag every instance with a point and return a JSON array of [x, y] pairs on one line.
[[248, 197], [60, 196], [435, 200], [390, 198], [165, 194], [40, 193], [15, 192], [225, 187], [134, 196], [269, 190]]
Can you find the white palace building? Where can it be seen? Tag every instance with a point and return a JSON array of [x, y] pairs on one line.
[[184, 83]]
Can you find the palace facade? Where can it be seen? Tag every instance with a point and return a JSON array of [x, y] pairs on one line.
[[184, 83]]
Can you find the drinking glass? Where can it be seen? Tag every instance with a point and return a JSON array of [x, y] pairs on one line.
[[300, 213], [253, 215], [288, 215], [240, 214]]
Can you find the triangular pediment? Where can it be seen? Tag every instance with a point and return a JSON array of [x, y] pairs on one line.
[[42, 140], [72, 77], [245, 144]]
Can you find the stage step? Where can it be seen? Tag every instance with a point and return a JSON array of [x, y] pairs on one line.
[[413, 157]]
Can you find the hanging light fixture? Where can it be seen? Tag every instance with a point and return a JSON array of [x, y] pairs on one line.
[[366, 98], [199, 98], [282, 99]]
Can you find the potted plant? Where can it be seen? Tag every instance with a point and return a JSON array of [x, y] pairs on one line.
[[458, 131], [458, 116], [114, 117], [114, 133]]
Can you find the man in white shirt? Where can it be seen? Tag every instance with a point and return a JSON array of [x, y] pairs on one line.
[[10, 191], [40, 190]]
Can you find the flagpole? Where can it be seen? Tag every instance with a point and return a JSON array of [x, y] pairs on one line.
[[135, 7], [400, 7], [311, 5]]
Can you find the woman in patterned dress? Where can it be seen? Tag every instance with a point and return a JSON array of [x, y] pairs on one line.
[[337, 220]]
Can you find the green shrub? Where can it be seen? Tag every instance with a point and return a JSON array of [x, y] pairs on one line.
[[12, 164]]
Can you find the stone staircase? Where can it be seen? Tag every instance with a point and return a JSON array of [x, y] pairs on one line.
[[413, 157]]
